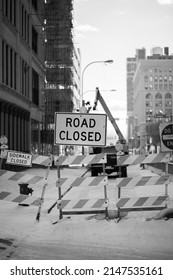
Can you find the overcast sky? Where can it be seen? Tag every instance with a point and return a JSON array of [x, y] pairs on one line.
[[114, 29]]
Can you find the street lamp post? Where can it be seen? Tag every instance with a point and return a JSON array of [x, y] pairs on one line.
[[105, 61]]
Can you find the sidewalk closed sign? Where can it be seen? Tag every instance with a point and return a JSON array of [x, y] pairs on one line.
[[80, 129], [18, 158]]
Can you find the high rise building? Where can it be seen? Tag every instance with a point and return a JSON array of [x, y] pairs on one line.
[[131, 64], [21, 73], [62, 61], [153, 94], [39, 71]]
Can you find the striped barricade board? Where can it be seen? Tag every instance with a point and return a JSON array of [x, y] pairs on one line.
[[142, 203], [82, 206], [80, 159], [143, 159], [19, 198], [66, 184], [141, 181], [20, 177], [41, 160]]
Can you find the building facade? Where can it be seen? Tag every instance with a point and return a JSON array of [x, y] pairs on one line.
[[131, 65], [62, 62], [153, 96], [39, 71], [21, 73]]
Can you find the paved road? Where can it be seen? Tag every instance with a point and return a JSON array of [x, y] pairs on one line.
[[84, 237]]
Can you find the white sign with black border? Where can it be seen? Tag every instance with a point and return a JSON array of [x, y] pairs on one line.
[[19, 158], [166, 136], [80, 129]]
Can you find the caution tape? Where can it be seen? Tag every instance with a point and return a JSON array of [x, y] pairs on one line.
[[142, 203], [141, 181], [23, 199], [142, 159], [20, 177], [80, 159]]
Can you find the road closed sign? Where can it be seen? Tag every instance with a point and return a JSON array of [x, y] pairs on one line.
[[80, 129], [166, 137]]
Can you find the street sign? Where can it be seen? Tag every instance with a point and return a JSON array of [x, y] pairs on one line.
[[18, 158], [166, 137], [80, 129], [3, 140]]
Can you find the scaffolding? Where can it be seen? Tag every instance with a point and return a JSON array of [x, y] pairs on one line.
[[59, 49]]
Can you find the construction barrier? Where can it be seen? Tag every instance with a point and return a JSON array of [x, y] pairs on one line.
[[64, 185], [20, 177], [143, 159], [80, 159], [141, 181], [41, 160], [142, 203], [20, 199], [82, 206]]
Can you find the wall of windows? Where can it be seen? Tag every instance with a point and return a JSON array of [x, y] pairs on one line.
[[9, 65]]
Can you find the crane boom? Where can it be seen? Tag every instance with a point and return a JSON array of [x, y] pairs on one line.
[[107, 111]]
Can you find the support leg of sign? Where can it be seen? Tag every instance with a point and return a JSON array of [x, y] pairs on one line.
[[119, 171], [55, 203], [166, 184], [1, 162], [105, 193], [118, 209], [43, 192], [59, 204], [59, 193]]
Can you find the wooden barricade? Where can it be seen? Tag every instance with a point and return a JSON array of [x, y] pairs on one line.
[[142, 203], [82, 205]]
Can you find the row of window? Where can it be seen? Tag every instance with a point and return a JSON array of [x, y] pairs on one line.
[[9, 11], [159, 70], [159, 86], [9, 73], [159, 96], [158, 105], [157, 78], [9, 65]]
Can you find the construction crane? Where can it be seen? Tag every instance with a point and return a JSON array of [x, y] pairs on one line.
[[111, 118]]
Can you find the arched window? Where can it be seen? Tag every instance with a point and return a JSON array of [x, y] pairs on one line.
[[158, 96], [168, 100], [148, 96], [158, 102], [168, 95]]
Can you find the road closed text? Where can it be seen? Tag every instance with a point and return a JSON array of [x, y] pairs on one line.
[[80, 129]]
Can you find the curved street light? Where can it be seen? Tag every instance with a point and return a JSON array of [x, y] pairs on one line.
[[93, 62]]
